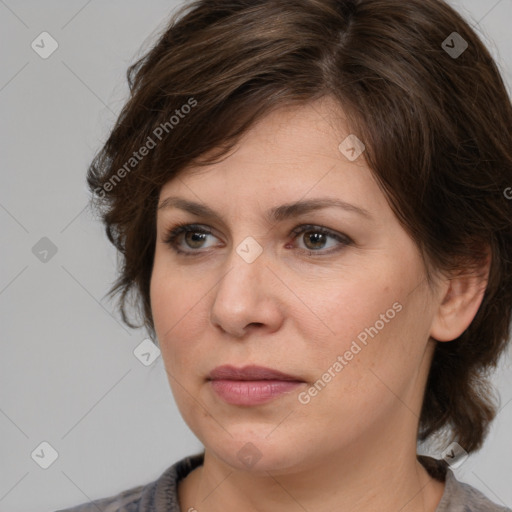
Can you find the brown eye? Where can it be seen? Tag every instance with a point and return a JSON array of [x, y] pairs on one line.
[[194, 236], [195, 239], [315, 239], [189, 239]]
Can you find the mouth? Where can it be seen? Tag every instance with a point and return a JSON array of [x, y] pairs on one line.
[[251, 385], [250, 373]]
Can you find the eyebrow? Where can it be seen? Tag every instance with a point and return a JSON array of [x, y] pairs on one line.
[[276, 214]]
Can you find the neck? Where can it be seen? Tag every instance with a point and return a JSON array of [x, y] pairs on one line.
[[348, 480]]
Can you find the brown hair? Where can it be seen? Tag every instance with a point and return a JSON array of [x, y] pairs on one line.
[[435, 118]]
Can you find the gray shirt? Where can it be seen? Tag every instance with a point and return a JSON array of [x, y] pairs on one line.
[[161, 495]]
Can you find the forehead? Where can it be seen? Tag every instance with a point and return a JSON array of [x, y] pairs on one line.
[[290, 147], [288, 157]]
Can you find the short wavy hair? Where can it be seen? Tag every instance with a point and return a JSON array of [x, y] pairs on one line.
[[419, 88]]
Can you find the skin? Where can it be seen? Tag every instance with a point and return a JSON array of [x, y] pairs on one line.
[[353, 446]]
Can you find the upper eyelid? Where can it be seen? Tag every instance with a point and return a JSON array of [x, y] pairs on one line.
[[182, 228], [204, 227]]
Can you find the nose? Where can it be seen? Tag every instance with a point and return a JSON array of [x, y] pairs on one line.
[[247, 297]]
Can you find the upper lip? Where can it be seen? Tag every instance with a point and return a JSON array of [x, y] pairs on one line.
[[250, 372]]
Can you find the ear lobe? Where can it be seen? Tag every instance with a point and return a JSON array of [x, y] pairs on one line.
[[459, 303]]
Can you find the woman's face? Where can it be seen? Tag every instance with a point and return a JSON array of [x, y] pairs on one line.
[[343, 305]]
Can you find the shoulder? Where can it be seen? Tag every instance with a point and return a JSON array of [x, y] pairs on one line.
[[458, 496], [126, 501], [466, 498], [157, 496]]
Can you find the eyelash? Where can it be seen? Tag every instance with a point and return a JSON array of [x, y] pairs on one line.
[[171, 236]]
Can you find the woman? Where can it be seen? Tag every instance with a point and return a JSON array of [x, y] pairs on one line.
[[310, 201]]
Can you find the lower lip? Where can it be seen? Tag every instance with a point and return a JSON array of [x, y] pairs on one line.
[[252, 392]]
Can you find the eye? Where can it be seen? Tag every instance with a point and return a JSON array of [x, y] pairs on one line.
[[194, 236], [316, 238]]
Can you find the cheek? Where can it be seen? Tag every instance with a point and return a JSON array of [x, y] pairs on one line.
[[169, 305], [171, 296], [178, 330], [180, 316], [353, 308], [376, 329]]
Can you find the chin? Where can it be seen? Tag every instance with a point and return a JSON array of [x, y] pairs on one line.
[[255, 453]]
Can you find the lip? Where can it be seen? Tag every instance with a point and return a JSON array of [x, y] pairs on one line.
[[251, 385], [251, 372]]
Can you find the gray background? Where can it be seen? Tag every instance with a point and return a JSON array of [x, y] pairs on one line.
[[68, 372]]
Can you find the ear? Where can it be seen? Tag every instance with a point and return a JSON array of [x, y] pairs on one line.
[[459, 300]]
